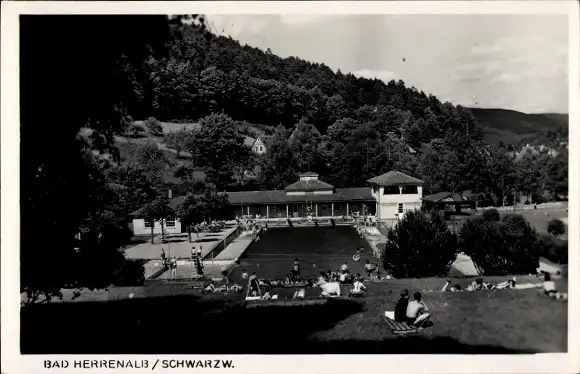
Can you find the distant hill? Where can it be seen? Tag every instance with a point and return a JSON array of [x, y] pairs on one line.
[[512, 126]]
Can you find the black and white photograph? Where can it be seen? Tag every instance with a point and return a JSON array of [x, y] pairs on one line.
[[292, 184]]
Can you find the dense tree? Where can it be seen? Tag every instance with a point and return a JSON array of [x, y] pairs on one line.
[[420, 246], [210, 205], [556, 227], [509, 246], [217, 147], [89, 84]]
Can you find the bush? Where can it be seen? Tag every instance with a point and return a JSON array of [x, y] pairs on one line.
[[153, 126], [555, 250], [509, 246], [556, 227], [491, 215], [131, 273], [419, 246]]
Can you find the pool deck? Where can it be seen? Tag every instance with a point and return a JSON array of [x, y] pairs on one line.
[[181, 250]]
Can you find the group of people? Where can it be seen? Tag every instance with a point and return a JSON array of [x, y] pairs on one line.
[[479, 284], [413, 312]]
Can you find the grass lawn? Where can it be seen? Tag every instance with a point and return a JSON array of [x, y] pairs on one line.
[[170, 318], [539, 218]]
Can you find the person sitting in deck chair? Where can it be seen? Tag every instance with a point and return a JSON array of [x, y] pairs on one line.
[[417, 311], [358, 288]]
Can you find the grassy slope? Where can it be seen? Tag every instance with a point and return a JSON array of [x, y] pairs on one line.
[[481, 322]]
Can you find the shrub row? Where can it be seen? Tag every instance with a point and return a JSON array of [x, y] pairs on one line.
[[421, 245]]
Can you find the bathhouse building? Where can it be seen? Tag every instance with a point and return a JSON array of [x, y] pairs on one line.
[[388, 196]]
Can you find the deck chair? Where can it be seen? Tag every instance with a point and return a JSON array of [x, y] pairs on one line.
[[398, 327]]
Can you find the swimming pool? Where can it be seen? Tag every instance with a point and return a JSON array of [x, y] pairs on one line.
[[317, 248]]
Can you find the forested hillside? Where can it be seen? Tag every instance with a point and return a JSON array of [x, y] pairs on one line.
[[346, 128]]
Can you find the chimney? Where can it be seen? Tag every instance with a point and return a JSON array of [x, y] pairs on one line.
[[169, 194]]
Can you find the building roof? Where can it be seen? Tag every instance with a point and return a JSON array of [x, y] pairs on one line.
[[248, 141], [280, 197], [448, 197], [308, 174], [176, 202], [395, 178], [309, 185]]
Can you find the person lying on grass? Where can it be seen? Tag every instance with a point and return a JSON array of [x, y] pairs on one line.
[[417, 311], [358, 288], [210, 288]]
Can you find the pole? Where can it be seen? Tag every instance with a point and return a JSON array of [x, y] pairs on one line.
[[213, 264]]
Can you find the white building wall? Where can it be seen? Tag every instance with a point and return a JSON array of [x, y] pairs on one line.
[[388, 205], [140, 229]]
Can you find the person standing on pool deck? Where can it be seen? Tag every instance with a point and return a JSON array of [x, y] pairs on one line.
[[253, 284]]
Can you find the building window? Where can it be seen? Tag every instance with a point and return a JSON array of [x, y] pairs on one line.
[[410, 190], [260, 148], [170, 222], [391, 190], [400, 208], [148, 224], [375, 189]]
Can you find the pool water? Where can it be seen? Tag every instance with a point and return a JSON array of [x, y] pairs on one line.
[[317, 248]]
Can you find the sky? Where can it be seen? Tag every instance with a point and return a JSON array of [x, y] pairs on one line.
[[517, 62]]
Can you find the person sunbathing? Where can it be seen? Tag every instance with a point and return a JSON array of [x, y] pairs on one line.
[[400, 314], [358, 288], [330, 289], [550, 289], [210, 288], [369, 268], [476, 285], [345, 277], [267, 295], [299, 294], [417, 311], [223, 288], [236, 288], [448, 288], [253, 284]]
